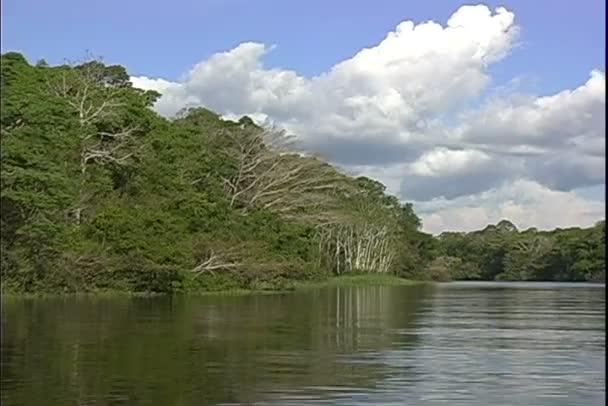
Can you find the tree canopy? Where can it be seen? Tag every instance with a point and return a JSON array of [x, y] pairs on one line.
[[502, 252], [100, 192]]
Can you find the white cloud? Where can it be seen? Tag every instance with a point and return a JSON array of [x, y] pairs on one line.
[[571, 118], [523, 202], [442, 162], [416, 72], [383, 112]]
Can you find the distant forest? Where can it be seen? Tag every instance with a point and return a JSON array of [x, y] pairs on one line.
[[99, 192]]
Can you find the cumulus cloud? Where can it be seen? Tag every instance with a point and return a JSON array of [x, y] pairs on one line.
[[382, 93], [569, 118], [451, 173], [526, 203], [400, 111], [442, 162]]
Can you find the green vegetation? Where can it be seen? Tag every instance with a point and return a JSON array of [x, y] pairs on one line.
[[501, 252], [370, 279], [78, 348], [361, 280], [101, 194]]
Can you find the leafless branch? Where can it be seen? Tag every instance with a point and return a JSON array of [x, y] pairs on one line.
[[213, 261], [270, 174]]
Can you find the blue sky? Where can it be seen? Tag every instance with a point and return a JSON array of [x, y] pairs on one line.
[[558, 45], [162, 38]]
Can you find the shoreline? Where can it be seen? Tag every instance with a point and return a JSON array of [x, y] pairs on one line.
[[294, 286], [335, 281]]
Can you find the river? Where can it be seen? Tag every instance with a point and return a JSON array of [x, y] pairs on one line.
[[446, 344]]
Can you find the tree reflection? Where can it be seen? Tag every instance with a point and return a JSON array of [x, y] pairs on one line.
[[199, 350]]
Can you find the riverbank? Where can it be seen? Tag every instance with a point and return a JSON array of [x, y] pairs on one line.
[[360, 280], [336, 281]]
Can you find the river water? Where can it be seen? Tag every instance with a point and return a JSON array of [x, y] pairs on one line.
[[446, 344]]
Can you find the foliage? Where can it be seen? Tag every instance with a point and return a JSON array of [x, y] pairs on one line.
[[101, 193], [502, 252]]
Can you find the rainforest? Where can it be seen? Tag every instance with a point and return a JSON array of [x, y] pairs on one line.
[[101, 193]]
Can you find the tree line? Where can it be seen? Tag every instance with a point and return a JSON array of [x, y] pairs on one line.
[[99, 192], [502, 252]]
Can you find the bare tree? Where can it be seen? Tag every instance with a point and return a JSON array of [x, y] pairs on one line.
[[356, 248], [107, 148], [87, 89], [270, 174], [228, 256], [92, 94], [359, 238], [213, 261]]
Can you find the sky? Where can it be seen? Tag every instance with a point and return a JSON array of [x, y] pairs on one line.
[[474, 112]]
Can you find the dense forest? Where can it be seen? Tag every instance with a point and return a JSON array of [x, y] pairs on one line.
[[99, 192], [501, 252]]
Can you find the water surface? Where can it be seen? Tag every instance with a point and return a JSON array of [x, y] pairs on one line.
[[449, 344]]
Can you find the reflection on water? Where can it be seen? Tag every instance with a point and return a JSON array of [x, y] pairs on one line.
[[457, 344]]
